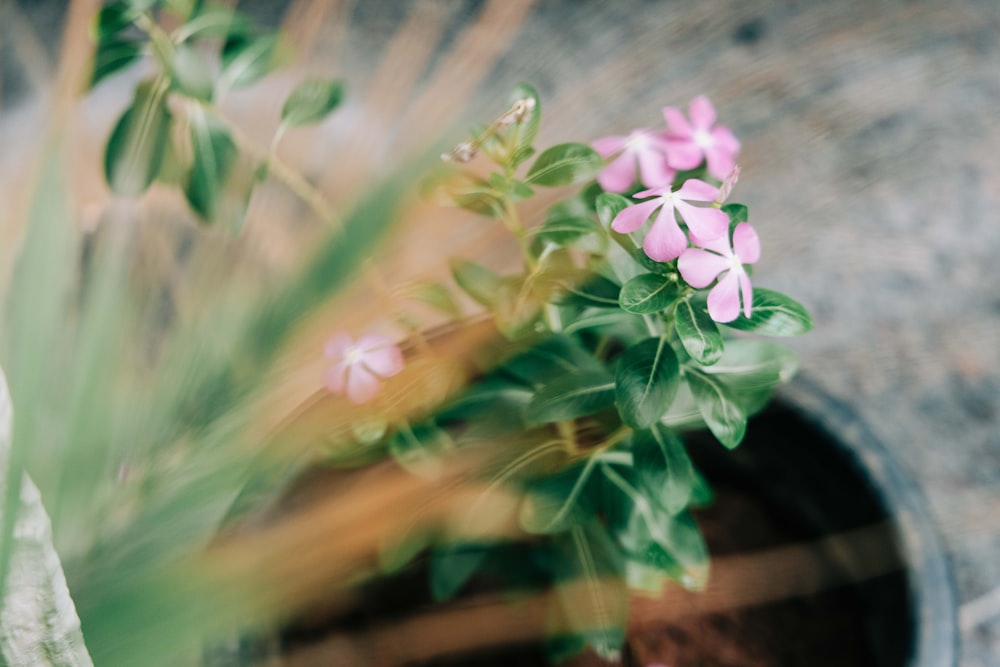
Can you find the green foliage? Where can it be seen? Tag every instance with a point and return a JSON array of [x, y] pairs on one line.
[[774, 314], [647, 293], [421, 449], [190, 74], [565, 164], [571, 396], [698, 332], [311, 102], [210, 188], [247, 58], [723, 414], [138, 143], [112, 55], [646, 381], [477, 281]]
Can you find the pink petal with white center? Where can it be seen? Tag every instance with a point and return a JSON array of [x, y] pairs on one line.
[[385, 361], [665, 240], [697, 190], [632, 217], [608, 146], [619, 175], [700, 267], [724, 299], [338, 345], [746, 243], [335, 377], [683, 153], [370, 342], [658, 191], [725, 140], [747, 290], [720, 163], [361, 385], [702, 113], [677, 123], [654, 169], [704, 223]]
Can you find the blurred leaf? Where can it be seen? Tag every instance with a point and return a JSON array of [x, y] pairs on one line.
[[138, 143], [184, 9], [595, 292], [553, 357], [751, 369], [492, 396], [647, 293], [698, 332], [554, 503], [311, 101], [213, 21], [646, 382], [438, 296], [190, 73], [721, 410], [115, 17], [421, 449], [737, 213], [247, 58], [453, 565], [214, 155], [597, 318], [774, 314], [112, 55], [477, 281], [521, 136], [609, 205], [570, 397], [565, 164], [663, 468]]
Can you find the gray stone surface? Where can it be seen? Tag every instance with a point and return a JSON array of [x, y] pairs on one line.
[[871, 166]]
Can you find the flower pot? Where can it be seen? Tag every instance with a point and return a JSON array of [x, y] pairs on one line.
[[823, 550]]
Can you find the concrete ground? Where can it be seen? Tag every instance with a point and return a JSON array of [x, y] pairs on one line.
[[871, 167]]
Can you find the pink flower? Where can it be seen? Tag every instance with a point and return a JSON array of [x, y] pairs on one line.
[[700, 267], [688, 143], [665, 240], [358, 365], [642, 147]]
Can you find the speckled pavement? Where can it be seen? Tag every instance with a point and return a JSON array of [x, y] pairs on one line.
[[871, 166]]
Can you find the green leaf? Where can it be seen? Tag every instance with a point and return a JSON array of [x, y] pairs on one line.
[[421, 449], [521, 135], [646, 382], [490, 397], [214, 21], [553, 357], [698, 332], [565, 164], [477, 281], [190, 74], [591, 589], [663, 468], [246, 59], [737, 213], [598, 318], [556, 502], [720, 409], [774, 314], [437, 296], [609, 205], [184, 9], [564, 231], [396, 550], [570, 397], [113, 55], [647, 293], [751, 369], [597, 292], [311, 101], [113, 18], [137, 145], [214, 154], [453, 565]]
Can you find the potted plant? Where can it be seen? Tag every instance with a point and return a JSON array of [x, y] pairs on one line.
[[547, 443]]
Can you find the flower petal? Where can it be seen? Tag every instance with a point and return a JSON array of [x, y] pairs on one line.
[[700, 267], [746, 243], [619, 175], [653, 169], [705, 223], [385, 361], [370, 342], [724, 299], [697, 190], [632, 218], [608, 146], [337, 346], [725, 140], [335, 376], [683, 153], [747, 290], [665, 240], [677, 122], [720, 162], [702, 113], [361, 385]]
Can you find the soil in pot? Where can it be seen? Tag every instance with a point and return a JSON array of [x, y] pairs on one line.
[[806, 570]]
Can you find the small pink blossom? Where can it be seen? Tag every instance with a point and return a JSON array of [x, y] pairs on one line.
[[642, 148], [358, 365], [665, 240], [700, 266], [689, 142], [728, 184]]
